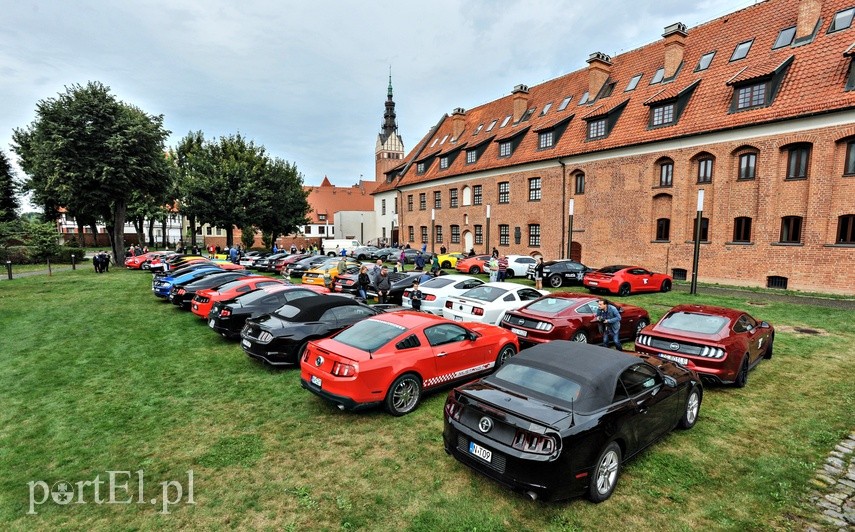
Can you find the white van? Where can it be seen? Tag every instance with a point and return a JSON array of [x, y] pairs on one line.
[[332, 246]]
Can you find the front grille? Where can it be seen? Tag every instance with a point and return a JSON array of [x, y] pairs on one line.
[[498, 463], [683, 348]]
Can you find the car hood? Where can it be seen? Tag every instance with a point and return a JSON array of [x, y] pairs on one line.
[[515, 403]]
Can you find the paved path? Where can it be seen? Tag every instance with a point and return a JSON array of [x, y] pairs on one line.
[[835, 496]]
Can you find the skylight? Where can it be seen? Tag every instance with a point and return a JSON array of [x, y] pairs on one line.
[[657, 77], [633, 83], [505, 121], [527, 115], [741, 50], [564, 103], [434, 142], [705, 61], [584, 99], [546, 109], [785, 38], [842, 20], [443, 140], [490, 127], [478, 129]]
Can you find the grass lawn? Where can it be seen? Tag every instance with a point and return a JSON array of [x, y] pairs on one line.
[[97, 375]]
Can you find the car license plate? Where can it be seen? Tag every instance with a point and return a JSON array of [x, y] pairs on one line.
[[211, 323], [245, 343], [458, 318], [679, 360], [519, 332], [593, 283], [480, 452], [316, 381]]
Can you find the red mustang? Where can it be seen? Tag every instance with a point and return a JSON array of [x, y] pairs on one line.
[[392, 358], [721, 344], [566, 316], [473, 265], [142, 261], [625, 280], [205, 299]]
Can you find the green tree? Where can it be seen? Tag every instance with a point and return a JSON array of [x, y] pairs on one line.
[[188, 161], [89, 152], [9, 204], [247, 236], [279, 204], [43, 239]]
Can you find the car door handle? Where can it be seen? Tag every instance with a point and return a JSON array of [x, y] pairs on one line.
[[442, 354]]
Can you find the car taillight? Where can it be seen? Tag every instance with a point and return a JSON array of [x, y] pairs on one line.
[[478, 311], [265, 337], [181, 291], [406, 293], [430, 297], [453, 408], [448, 304], [340, 369], [534, 443], [348, 282], [543, 326], [225, 313]]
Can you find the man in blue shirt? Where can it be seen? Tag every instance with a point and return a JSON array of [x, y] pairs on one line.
[[420, 261], [609, 316]]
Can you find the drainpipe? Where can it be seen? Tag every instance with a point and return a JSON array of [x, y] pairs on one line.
[[563, 204]]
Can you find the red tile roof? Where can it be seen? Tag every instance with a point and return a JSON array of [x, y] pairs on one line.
[[328, 199], [814, 83]]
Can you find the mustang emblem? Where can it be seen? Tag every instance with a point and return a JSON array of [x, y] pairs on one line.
[[319, 361], [485, 425], [521, 321], [674, 346]]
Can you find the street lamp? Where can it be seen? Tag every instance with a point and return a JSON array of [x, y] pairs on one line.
[[362, 228], [488, 229], [570, 236], [694, 287], [432, 228]]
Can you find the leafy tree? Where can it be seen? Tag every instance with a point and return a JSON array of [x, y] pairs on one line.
[[88, 152], [8, 191], [186, 159], [279, 204], [247, 236], [43, 238]]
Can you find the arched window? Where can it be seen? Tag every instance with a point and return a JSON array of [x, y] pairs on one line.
[[666, 172], [798, 160], [704, 163], [580, 183], [467, 196]]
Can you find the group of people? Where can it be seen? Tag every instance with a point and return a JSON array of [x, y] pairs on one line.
[[101, 261]]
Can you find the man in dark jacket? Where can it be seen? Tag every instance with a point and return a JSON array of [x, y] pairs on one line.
[[609, 316], [383, 284]]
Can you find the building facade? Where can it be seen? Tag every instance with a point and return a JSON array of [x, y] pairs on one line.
[[755, 109]]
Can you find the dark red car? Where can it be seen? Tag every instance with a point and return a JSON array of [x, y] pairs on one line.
[[568, 316], [720, 344], [625, 280]]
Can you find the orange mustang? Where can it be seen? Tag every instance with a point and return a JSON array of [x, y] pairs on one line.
[[392, 358], [205, 299]]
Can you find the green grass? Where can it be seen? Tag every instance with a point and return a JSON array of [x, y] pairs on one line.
[[97, 375]]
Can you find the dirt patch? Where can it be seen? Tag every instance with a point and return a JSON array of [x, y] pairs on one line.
[[808, 331], [757, 304]]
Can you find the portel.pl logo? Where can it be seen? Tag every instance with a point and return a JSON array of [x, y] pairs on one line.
[[115, 489]]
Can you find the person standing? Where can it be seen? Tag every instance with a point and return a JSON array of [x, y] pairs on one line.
[[503, 268], [434, 264], [375, 271], [363, 281], [383, 285], [442, 250], [402, 259], [538, 274], [420, 261], [609, 316], [341, 267], [416, 296], [493, 266]]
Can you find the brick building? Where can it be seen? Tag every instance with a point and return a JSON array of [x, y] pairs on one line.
[[755, 108]]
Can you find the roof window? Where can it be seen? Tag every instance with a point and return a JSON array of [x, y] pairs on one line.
[[842, 20], [705, 61], [492, 124], [545, 109], [527, 115], [505, 121], [741, 50], [633, 83], [443, 140], [584, 99], [478, 129], [785, 38], [657, 77], [564, 103]]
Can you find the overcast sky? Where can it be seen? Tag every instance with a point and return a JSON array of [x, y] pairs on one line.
[[305, 79]]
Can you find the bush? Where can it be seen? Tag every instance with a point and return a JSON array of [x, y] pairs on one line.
[[16, 254], [27, 255]]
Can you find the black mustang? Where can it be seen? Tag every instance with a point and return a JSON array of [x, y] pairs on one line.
[[559, 419], [229, 317], [281, 337]]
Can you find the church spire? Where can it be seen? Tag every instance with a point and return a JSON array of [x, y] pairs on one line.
[[390, 124]]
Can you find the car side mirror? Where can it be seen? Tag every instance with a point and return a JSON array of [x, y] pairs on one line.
[[471, 336], [764, 325], [669, 381]]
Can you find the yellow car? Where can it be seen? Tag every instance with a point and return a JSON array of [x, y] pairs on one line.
[[449, 260], [324, 274]]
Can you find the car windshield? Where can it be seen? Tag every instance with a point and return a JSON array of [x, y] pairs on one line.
[[541, 381], [485, 293], [437, 283], [692, 322], [369, 335], [551, 305]]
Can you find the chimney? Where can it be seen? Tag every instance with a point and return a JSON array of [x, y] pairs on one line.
[[808, 15], [599, 69], [458, 122], [520, 93], [675, 41]]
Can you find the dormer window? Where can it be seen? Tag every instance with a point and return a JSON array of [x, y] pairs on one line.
[[420, 168], [443, 162], [584, 99], [705, 61], [602, 120], [471, 156], [505, 121], [751, 96], [657, 77], [663, 114], [633, 83], [785, 38], [758, 90], [322, 217], [505, 149], [564, 103], [546, 140], [597, 129], [842, 20], [666, 109], [741, 50]]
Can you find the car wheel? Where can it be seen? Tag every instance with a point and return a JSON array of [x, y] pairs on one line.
[[693, 408], [403, 395], [581, 337], [742, 376], [555, 281], [474, 270], [606, 473], [642, 323], [445, 264], [768, 353], [507, 352], [509, 274], [666, 286], [624, 290]]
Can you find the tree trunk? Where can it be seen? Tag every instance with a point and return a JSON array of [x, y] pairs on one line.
[[139, 225], [81, 236], [164, 237], [94, 228], [230, 234], [120, 209], [191, 220], [151, 232]]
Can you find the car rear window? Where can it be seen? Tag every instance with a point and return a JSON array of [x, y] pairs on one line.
[[485, 293], [286, 311], [369, 335], [693, 322], [251, 297], [543, 382], [229, 285], [552, 304], [611, 269], [436, 283]]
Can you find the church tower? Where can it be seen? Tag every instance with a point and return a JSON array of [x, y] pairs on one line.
[[389, 150]]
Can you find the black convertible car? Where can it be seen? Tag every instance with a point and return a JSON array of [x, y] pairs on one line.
[[228, 317], [281, 337], [182, 294], [559, 419]]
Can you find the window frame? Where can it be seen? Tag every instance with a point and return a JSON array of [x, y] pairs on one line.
[[751, 96], [409, 203], [437, 199], [477, 195], [504, 235], [849, 160], [701, 67], [597, 128], [422, 201], [504, 190], [789, 226], [471, 156], [534, 189], [423, 230], [534, 235], [455, 234], [832, 28], [453, 199], [742, 176], [705, 229], [411, 233], [505, 149], [633, 83], [781, 34], [845, 230], [546, 139], [798, 156], [663, 115], [742, 230], [663, 230], [479, 234], [749, 43], [579, 184], [438, 234], [663, 183], [705, 170], [443, 162]]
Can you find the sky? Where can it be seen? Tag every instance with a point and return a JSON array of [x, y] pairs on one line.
[[307, 80]]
